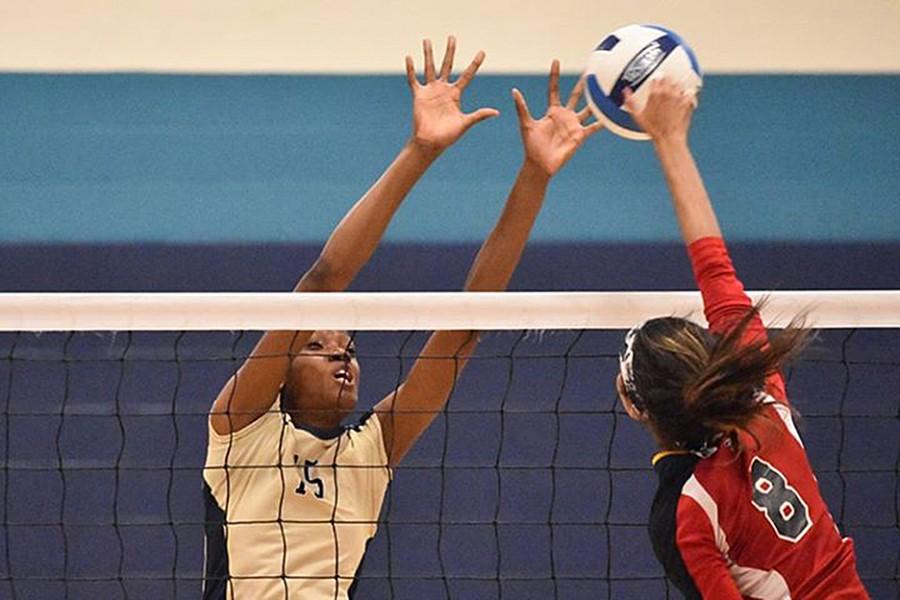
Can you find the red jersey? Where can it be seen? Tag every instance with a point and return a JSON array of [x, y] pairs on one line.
[[750, 524]]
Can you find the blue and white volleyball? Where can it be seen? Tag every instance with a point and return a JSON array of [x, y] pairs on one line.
[[632, 56]]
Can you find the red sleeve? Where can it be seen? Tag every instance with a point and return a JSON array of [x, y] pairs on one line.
[[702, 558], [724, 301]]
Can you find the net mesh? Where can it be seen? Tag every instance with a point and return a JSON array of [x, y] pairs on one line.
[[531, 484]]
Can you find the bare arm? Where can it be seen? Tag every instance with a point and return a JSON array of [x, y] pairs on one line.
[[438, 122], [696, 216], [667, 119], [549, 143]]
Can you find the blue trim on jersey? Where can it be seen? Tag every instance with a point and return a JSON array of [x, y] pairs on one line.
[[215, 579], [609, 109], [680, 41], [334, 432], [322, 434]]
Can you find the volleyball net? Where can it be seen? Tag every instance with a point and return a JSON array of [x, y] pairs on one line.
[[531, 484]]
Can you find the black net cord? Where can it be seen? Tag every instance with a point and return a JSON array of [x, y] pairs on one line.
[[558, 432], [445, 449], [609, 497], [6, 461], [845, 390], [236, 359], [401, 354], [897, 510], [120, 569], [170, 485], [445, 444], [282, 432], [67, 377], [510, 373], [334, 531]]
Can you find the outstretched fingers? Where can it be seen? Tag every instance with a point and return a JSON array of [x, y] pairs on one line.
[[411, 73], [630, 104], [583, 114], [447, 65], [553, 85], [429, 61], [479, 115], [521, 106], [576, 94], [466, 78], [591, 129]]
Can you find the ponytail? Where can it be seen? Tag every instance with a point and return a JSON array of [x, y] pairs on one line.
[[697, 386]]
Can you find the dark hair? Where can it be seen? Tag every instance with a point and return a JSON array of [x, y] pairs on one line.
[[696, 385]]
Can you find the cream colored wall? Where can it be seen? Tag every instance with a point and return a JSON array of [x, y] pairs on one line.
[[374, 35]]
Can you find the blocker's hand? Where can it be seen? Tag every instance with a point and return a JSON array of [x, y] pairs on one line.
[[553, 139], [667, 114], [438, 119]]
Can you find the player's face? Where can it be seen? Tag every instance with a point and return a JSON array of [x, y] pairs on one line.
[[325, 373]]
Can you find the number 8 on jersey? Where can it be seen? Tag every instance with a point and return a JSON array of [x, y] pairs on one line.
[[779, 501]]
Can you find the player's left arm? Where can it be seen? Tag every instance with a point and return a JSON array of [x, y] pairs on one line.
[[706, 565], [549, 142]]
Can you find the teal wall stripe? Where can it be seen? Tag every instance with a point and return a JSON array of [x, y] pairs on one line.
[[251, 159]]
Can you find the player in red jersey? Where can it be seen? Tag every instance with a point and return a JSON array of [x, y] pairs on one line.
[[738, 513]]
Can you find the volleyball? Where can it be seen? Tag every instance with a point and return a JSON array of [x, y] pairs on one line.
[[631, 56]]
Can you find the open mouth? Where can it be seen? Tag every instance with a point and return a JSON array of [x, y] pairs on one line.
[[344, 376]]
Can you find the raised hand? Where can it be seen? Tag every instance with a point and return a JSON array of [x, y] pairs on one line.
[[552, 140], [667, 113], [438, 119]]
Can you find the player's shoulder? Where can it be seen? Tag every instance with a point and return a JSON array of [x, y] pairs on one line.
[[364, 438], [365, 426], [777, 429], [719, 479], [674, 469], [261, 428], [785, 414]]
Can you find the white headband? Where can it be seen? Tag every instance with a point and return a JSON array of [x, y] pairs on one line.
[[626, 367]]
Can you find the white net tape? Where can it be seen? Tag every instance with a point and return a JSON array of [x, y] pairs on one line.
[[420, 311]]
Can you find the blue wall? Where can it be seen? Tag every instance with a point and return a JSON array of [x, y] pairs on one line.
[[137, 158], [132, 182]]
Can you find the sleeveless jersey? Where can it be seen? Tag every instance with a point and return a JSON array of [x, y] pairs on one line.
[[290, 511]]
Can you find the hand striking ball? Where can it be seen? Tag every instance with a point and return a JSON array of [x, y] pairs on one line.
[[629, 57]]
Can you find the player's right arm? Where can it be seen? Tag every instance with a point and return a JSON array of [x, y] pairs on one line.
[[667, 119], [438, 121]]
